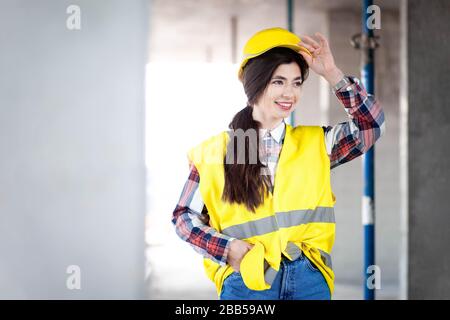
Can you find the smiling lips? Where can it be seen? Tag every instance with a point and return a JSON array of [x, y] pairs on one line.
[[284, 105]]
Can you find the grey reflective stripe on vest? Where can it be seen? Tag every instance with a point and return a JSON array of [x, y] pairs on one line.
[[295, 252], [326, 258], [269, 273], [297, 217], [280, 220], [252, 228]]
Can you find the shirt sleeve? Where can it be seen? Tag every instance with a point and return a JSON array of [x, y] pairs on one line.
[[191, 221], [348, 140]]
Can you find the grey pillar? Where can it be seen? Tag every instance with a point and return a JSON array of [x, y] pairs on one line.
[[426, 112]]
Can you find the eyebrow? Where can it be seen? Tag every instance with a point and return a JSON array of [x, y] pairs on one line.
[[283, 78]]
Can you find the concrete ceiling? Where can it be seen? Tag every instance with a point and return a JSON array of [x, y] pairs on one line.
[[200, 30], [346, 4]]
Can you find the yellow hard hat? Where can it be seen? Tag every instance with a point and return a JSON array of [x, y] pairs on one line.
[[267, 39]]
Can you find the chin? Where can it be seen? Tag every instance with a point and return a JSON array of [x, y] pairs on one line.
[[285, 114]]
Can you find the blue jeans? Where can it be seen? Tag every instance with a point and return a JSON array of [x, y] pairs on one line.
[[296, 280]]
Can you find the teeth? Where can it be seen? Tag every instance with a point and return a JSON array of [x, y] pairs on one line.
[[286, 105]]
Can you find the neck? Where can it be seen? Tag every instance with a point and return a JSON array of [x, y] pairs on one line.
[[266, 122]]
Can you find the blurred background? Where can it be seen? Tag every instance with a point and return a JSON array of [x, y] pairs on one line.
[[100, 101]]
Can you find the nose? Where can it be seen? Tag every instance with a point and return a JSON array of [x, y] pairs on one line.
[[288, 92]]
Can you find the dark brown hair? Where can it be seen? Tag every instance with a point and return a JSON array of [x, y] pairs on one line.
[[244, 182]]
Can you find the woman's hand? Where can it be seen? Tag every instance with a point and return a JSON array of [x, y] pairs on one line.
[[238, 249], [322, 61]]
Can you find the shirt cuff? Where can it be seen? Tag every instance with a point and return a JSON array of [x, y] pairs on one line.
[[345, 81], [225, 252]]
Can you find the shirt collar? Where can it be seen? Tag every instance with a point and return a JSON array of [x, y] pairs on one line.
[[277, 133]]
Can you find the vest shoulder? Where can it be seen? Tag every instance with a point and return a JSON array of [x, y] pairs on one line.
[[213, 140], [311, 131], [210, 147]]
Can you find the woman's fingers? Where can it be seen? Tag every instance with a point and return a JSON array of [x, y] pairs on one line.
[[322, 39], [307, 46], [310, 41]]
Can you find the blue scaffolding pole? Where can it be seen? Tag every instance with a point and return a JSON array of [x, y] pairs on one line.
[[367, 43], [368, 201]]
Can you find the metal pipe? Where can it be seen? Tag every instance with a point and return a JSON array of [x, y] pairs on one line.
[[368, 201]]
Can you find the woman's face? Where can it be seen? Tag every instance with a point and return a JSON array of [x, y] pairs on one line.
[[281, 94]]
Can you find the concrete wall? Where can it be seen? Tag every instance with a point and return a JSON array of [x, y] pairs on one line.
[[427, 77], [72, 142]]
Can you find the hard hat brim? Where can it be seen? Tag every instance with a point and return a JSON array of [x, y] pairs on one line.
[[295, 47]]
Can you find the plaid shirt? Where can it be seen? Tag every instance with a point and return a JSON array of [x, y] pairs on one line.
[[344, 142]]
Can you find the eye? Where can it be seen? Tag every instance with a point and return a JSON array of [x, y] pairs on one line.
[[297, 84], [278, 82]]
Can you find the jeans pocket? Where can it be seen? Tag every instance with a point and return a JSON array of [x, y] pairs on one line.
[[232, 277], [311, 265], [233, 287]]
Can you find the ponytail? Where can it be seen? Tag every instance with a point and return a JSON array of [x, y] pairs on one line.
[[244, 182]]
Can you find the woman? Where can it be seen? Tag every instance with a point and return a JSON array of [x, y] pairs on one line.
[[258, 203]]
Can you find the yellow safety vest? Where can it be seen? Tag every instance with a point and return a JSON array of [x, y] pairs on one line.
[[297, 217]]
